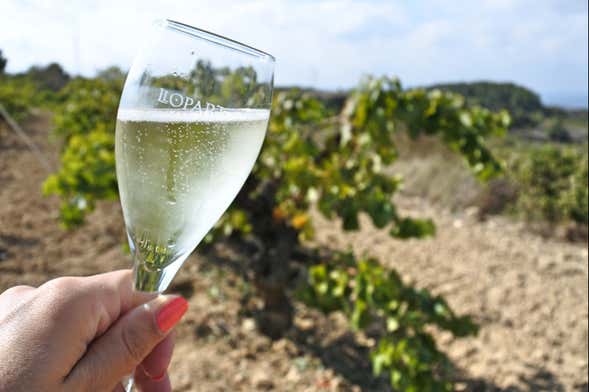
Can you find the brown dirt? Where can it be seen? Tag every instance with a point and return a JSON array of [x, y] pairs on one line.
[[529, 293]]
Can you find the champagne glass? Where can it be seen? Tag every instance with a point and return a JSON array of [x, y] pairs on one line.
[[190, 124]]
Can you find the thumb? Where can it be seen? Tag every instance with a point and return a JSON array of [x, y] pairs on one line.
[[125, 344]]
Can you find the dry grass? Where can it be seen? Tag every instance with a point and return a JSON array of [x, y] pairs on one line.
[[434, 172]]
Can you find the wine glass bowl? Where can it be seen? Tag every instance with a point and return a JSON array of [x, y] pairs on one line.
[[190, 125]]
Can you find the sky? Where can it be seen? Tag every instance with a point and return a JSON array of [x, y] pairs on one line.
[[328, 44]]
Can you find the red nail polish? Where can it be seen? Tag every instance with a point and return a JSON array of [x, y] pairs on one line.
[[171, 313], [158, 378]]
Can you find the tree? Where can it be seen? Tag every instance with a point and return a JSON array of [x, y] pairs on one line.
[[112, 73], [3, 61], [524, 105], [51, 77]]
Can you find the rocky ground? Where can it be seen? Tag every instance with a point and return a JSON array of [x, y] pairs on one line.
[[529, 293]]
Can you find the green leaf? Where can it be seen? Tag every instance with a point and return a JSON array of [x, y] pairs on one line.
[[407, 228], [360, 316]]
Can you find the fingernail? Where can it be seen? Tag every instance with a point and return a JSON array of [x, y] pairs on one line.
[[171, 313], [159, 377]]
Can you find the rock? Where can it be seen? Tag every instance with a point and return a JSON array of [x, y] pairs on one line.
[[248, 325], [261, 379], [239, 378], [293, 375], [304, 324], [280, 345]]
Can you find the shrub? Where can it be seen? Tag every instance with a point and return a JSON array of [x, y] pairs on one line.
[[17, 96], [553, 184]]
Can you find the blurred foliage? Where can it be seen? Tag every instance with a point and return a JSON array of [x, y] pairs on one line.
[[333, 101], [86, 174], [376, 298], [3, 62], [85, 120], [311, 158], [553, 184], [559, 133], [85, 103], [230, 88], [51, 77], [543, 183], [17, 95], [112, 73], [35, 88], [523, 104], [337, 162]]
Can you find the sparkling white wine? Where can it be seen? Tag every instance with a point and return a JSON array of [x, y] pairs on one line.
[[178, 171]]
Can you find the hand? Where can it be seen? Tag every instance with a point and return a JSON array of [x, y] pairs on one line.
[[86, 334]]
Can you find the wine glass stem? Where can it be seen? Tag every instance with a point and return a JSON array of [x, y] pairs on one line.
[[128, 384], [145, 279], [149, 278]]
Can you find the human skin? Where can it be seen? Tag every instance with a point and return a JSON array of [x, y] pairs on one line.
[[86, 334]]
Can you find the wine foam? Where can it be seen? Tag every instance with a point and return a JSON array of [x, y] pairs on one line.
[[189, 116]]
